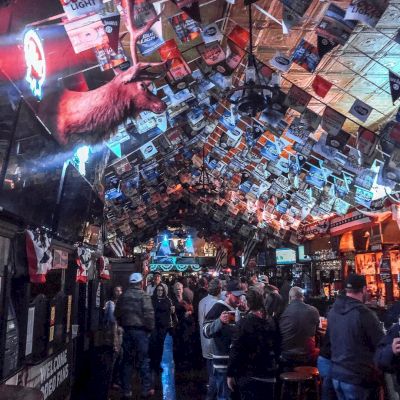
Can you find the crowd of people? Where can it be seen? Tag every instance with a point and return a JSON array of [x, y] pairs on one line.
[[248, 332]]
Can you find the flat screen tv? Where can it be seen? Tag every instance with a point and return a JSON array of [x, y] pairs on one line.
[[79, 206], [285, 256], [302, 257], [32, 175]]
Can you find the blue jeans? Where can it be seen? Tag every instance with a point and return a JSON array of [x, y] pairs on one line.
[[223, 392], [348, 391], [212, 387], [135, 342], [324, 366]]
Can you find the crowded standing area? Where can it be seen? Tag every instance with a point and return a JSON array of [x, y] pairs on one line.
[[199, 199]]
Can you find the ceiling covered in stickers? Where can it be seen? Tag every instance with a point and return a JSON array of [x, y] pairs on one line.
[[317, 135]]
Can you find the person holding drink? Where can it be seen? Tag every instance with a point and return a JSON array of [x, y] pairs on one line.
[[219, 326]]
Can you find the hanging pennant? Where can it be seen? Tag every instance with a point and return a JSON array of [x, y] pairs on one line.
[[367, 11], [306, 55], [190, 7], [281, 62], [338, 140], [334, 27], [321, 86], [325, 45], [212, 54], [186, 28], [211, 33], [297, 99], [111, 26], [360, 110], [394, 81], [332, 121], [366, 145]]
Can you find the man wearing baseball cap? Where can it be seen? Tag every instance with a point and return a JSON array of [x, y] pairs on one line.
[[354, 332], [219, 327], [134, 312]]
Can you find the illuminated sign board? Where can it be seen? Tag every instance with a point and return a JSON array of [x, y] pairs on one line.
[[35, 62]]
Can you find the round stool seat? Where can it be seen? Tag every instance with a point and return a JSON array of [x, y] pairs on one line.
[[308, 370], [295, 376], [14, 392]]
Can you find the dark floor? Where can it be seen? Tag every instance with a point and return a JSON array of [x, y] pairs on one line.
[[188, 384]]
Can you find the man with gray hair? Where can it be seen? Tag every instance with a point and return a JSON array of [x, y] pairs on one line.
[[298, 325], [205, 305]]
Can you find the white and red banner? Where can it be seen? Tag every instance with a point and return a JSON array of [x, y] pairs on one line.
[[367, 11]]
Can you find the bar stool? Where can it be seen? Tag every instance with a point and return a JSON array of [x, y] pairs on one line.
[[299, 378], [315, 374], [14, 392]]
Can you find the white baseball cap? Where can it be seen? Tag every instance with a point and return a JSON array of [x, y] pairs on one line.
[[136, 277]]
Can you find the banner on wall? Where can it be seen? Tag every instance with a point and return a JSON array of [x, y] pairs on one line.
[[332, 121], [297, 99], [367, 11]]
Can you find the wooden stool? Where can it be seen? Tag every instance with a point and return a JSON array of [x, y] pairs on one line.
[[13, 392], [295, 377], [315, 374]]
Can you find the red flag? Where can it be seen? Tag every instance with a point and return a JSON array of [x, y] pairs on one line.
[[321, 86]]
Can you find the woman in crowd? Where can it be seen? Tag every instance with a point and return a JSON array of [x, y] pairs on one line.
[[253, 359], [163, 313], [184, 328]]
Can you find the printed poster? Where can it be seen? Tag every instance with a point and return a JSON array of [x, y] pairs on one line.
[[360, 110], [186, 28], [281, 62], [212, 54], [143, 12], [111, 26], [394, 81], [367, 11], [325, 45], [363, 197], [332, 121], [297, 99], [86, 33], [366, 144], [190, 7], [211, 33], [334, 27], [306, 55], [317, 176], [338, 140], [108, 58]]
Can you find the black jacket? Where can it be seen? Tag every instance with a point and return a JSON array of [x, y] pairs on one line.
[[221, 335], [255, 348], [135, 309], [162, 312], [354, 332], [384, 357]]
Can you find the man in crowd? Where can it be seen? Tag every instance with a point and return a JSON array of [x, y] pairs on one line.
[[298, 325], [219, 326], [354, 333], [134, 312], [205, 305], [156, 281]]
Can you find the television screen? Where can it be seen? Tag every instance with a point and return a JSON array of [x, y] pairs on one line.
[[32, 175], [73, 210], [285, 256], [302, 257]]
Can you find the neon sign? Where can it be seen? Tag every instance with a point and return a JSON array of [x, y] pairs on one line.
[[35, 62]]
